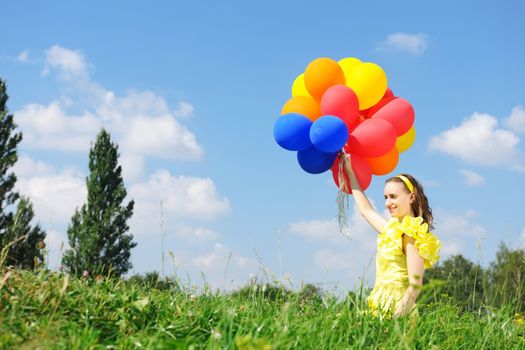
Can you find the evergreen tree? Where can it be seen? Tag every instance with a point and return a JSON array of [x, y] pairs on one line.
[[97, 233], [19, 242], [8, 158], [27, 251]]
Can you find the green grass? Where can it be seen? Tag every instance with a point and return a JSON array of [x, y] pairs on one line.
[[53, 311]]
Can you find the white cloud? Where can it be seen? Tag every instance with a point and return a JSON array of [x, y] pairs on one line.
[[140, 122], [429, 183], [458, 232], [135, 103], [354, 255], [55, 195], [216, 259], [56, 245], [23, 56], [450, 248], [414, 44], [163, 137], [329, 259], [146, 125], [49, 127], [324, 230], [27, 166], [222, 267], [193, 235], [453, 226], [328, 230], [182, 197], [477, 140], [472, 178], [71, 64], [184, 110], [516, 120], [471, 213]]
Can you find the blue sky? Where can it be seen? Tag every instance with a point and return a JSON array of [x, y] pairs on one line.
[[190, 91]]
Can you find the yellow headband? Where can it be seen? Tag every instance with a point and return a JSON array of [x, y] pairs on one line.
[[407, 182]]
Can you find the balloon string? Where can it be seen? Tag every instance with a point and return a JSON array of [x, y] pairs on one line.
[[342, 199]]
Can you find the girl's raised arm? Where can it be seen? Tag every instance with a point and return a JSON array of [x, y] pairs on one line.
[[363, 204]]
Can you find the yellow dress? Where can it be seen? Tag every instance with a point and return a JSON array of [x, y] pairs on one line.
[[391, 265]]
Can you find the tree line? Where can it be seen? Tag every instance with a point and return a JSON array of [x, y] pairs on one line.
[[98, 234], [468, 285]]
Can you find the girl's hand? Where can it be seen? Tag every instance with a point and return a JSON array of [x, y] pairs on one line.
[[399, 311], [346, 161]]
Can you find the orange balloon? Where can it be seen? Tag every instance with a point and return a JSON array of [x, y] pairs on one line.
[[303, 105], [321, 74], [384, 164]]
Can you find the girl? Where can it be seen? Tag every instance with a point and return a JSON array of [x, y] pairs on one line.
[[405, 247]]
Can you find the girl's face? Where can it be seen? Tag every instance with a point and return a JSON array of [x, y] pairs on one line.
[[398, 200]]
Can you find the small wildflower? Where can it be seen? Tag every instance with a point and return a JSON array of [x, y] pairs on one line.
[[216, 334], [85, 273], [232, 312], [243, 341], [141, 303], [518, 318]]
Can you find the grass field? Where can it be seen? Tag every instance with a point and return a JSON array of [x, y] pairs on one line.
[[49, 310]]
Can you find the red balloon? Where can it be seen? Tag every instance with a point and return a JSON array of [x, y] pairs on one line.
[[399, 113], [342, 102], [388, 93], [361, 170], [371, 138], [387, 97]]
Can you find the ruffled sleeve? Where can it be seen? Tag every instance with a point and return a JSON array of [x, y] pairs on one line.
[[389, 241], [426, 242]]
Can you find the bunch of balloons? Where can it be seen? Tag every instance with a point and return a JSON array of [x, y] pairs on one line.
[[345, 105]]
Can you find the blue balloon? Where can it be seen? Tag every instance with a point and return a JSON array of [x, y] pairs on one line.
[[329, 133], [292, 132], [314, 161]]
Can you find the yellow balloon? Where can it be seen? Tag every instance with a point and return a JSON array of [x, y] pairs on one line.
[[406, 140], [298, 88], [348, 64], [369, 83]]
